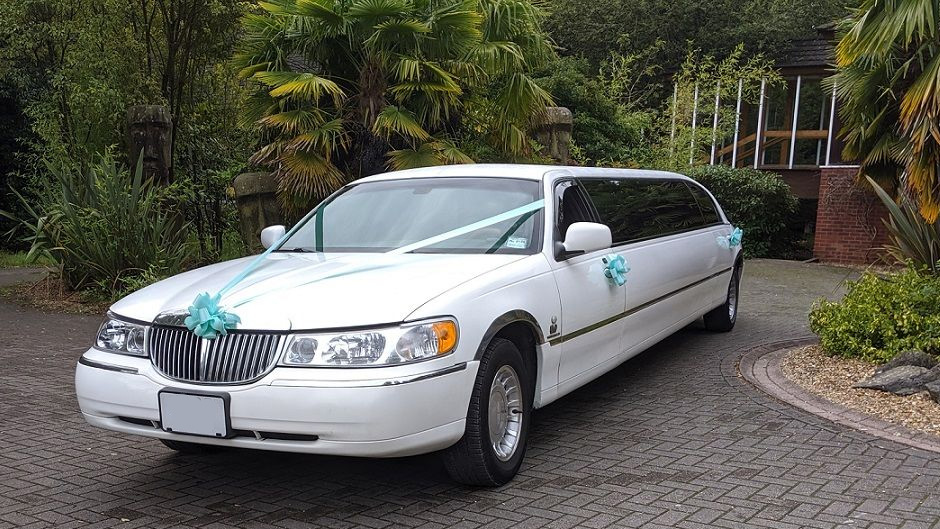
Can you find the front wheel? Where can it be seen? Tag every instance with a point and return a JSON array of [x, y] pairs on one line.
[[493, 446], [723, 317]]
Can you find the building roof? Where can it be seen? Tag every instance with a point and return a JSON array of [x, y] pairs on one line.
[[815, 51]]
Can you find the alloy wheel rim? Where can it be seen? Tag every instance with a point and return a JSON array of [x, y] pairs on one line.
[[733, 298], [505, 413]]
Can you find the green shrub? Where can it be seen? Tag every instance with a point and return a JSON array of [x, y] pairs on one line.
[[758, 202], [880, 317], [603, 131], [105, 229]]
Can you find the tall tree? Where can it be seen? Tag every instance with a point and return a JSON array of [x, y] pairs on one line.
[[348, 87], [888, 81], [593, 29]]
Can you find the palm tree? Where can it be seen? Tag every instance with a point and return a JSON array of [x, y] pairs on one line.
[[350, 87], [888, 80]]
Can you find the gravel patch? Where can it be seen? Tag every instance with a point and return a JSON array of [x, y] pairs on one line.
[[832, 377]]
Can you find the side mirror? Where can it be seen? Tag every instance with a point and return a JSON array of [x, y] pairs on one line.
[[271, 235], [585, 237]]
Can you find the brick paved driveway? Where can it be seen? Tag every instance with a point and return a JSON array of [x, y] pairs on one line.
[[672, 438]]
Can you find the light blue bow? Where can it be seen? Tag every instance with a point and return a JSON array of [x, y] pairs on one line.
[[732, 240], [616, 268], [207, 320]]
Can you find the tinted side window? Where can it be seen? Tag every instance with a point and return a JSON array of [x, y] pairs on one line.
[[644, 208], [705, 203]]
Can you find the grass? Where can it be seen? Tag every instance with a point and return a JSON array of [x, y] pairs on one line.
[[17, 260]]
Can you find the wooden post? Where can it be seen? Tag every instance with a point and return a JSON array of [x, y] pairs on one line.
[[711, 160], [796, 116], [150, 130], [832, 120], [760, 123]]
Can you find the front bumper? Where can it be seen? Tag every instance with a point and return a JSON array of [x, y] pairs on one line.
[[384, 412]]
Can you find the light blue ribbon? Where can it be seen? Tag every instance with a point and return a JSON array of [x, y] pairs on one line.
[[208, 320], [730, 241], [616, 268]]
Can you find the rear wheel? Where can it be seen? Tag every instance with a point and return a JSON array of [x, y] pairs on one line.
[[190, 448], [723, 317], [493, 446]]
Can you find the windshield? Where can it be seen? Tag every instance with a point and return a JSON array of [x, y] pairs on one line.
[[388, 215]]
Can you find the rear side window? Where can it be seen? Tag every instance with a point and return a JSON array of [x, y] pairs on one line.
[[705, 203], [637, 209]]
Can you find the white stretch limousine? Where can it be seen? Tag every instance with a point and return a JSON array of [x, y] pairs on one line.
[[417, 311]]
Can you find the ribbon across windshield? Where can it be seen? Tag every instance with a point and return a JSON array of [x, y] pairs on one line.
[[209, 320]]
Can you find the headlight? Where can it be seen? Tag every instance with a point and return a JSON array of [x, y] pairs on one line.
[[374, 347], [116, 336]]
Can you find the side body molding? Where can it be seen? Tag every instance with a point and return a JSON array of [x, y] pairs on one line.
[[504, 320]]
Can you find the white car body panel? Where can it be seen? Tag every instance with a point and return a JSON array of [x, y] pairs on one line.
[[419, 407]]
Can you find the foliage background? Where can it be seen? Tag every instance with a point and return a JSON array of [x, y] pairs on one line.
[[758, 202], [69, 69]]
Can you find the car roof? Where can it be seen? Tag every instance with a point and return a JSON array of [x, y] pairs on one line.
[[523, 171]]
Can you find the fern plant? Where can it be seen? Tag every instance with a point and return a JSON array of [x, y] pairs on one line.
[[104, 228]]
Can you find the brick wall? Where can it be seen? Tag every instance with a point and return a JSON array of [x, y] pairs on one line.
[[849, 229]]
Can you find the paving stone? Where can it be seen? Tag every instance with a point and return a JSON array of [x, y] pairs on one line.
[[672, 438]]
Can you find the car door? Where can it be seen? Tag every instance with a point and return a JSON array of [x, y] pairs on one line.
[[658, 227], [591, 303]]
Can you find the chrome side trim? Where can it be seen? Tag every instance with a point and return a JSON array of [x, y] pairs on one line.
[[593, 327], [107, 367], [380, 383], [424, 376]]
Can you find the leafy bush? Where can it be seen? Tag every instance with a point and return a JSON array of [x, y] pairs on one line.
[[602, 131], [758, 202], [105, 229], [880, 317]]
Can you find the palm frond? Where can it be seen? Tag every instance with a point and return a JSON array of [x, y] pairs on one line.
[[325, 138], [304, 178], [397, 120], [450, 154], [423, 156], [370, 11], [294, 121], [498, 56], [522, 98], [304, 86]]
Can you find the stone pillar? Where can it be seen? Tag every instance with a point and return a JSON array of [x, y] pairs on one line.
[[255, 196], [150, 129], [849, 227], [553, 131]]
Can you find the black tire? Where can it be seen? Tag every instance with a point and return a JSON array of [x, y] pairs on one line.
[[722, 318], [474, 460], [190, 448]]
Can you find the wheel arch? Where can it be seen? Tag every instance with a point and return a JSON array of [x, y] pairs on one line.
[[522, 329]]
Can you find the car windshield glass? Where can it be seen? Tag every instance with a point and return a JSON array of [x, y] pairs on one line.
[[387, 215]]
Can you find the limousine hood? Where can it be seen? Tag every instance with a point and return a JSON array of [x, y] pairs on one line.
[[316, 291]]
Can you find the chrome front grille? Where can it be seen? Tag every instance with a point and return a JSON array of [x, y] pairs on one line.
[[237, 357]]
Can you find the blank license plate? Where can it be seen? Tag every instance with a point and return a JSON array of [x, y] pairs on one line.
[[205, 415]]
